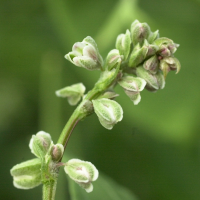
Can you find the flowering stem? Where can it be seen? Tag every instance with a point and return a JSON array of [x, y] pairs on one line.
[[99, 88]]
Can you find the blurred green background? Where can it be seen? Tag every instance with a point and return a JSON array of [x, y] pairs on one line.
[[155, 151]]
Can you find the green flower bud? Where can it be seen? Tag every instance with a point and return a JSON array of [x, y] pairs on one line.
[[82, 172], [132, 87], [27, 175], [152, 64], [154, 81], [138, 55], [40, 144], [73, 93], [123, 44], [113, 59], [56, 152], [86, 54], [168, 64], [108, 111], [131, 83], [139, 32], [153, 36]]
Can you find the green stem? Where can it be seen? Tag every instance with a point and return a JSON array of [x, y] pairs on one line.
[[49, 190]]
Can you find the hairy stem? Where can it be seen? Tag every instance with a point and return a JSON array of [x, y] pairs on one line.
[[49, 190]]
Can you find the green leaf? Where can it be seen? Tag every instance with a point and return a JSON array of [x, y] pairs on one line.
[[104, 188]]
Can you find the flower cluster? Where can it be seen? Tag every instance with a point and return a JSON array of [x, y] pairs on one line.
[[32, 173], [141, 60]]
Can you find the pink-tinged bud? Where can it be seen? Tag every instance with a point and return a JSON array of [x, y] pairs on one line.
[[139, 32], [56, 152], [155, 81], [152, 64], [86, 54], [166, 46], [168, 64]]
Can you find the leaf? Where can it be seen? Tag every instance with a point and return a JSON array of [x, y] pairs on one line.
[[104, 188]]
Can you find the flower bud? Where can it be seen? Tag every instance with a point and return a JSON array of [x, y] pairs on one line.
[[151, 64], [166, 46], [56, 152], [85, 54], [27, 175], [168, 64], [153, 36], [155, 81], [73, 93], [82, 172], [108, 111], [132, 87], [138, 55], [113, 59], [123, 44], [131, 83], [40, 144], [139, 32]]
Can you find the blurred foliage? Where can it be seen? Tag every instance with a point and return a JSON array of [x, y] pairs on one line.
[[154, 151]]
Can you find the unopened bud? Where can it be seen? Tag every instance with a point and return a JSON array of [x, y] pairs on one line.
[[27, 175], [132, 87], [113, 59], [108, 111], [153, 36], [40, 144], [131, 83], [82, 172], [139, 32], [73, 93], [86, 54], [166, 46], [123, 44], [155, 81], [151, 64], [168, 64], [56, 152], [138, 55]]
